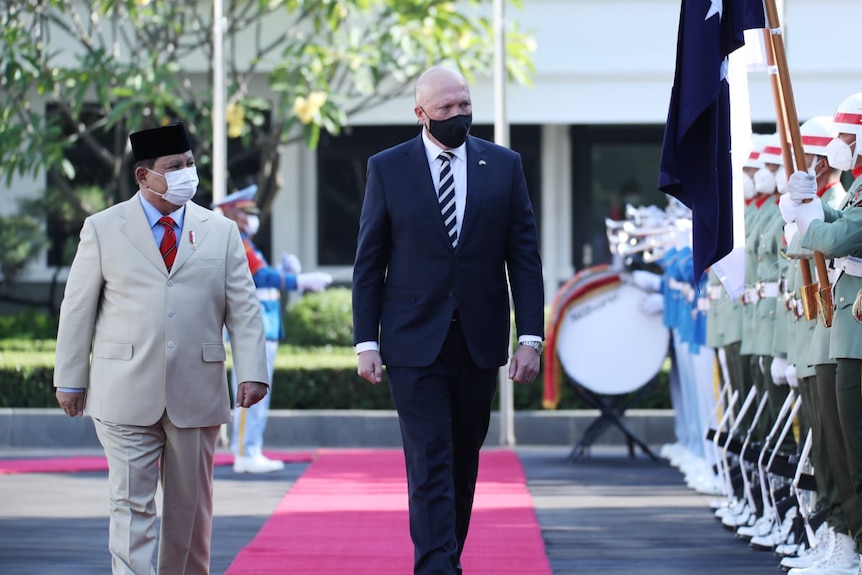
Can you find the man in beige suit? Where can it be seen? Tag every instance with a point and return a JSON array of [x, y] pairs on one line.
[[149, 297]]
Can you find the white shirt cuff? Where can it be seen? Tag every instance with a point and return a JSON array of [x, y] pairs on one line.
[[367, 346]]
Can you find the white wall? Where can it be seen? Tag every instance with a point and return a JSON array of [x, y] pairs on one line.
[[612, 61]]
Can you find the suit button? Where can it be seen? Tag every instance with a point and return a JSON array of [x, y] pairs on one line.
[[171, 313], [841, 299], [171, 344], [170, 283]]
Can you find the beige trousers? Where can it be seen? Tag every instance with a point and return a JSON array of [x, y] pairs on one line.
[[138, 456]]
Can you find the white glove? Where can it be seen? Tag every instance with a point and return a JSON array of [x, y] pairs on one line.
[[647, 281], [857, 305], [801, 187], [790, 230], [289, 264], [778, 369], [652, 304], [313, 281], [808, 213], [792, 380], [788, 208]]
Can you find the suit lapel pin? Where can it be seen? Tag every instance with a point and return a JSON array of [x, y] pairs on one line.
[[481, 162], [192, 239]]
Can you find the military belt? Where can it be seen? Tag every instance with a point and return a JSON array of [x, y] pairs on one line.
[[849, 265], [768, 289], [714, 292], [750, 295], [268, 294]]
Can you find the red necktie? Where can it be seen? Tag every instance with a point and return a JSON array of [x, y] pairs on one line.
[[168, 247]]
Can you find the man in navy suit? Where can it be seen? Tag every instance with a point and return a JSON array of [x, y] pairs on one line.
[[431, 300]]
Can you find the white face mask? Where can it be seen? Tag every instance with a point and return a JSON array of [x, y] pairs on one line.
[[182, 185], [748, 191], [764, 181], [781, 181], [839, 155], [252, 224]]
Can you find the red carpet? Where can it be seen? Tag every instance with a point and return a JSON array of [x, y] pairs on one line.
[[99, 463], [347, 514]]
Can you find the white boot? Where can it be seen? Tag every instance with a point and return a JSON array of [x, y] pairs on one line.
[[820, 549], [842, 560]]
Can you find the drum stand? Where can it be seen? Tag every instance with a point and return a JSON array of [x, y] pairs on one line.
[[612, 409]]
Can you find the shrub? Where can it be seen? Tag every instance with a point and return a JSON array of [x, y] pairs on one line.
[[27, 386], [28, 325], [320, 378], [319, 319], [318, 371]]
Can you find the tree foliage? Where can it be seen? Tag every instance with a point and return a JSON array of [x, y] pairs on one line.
[[83, 74], [21, 238]]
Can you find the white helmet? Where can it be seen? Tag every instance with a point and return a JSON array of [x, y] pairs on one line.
[[847, 120], [848, 116], [754, 159], [816, 135], [771, 153]]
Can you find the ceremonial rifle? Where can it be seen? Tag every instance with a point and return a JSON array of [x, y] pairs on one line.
[[787, 117]]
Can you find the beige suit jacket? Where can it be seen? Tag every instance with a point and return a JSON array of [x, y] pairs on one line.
[[142, 340]]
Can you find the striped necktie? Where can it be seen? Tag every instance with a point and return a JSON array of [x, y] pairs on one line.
[[446, 197], [168, 247]]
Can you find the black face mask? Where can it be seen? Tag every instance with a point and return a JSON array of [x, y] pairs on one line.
[[450, 132]]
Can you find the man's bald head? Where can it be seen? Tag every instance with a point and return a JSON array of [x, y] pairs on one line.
[[442, 93], [434, 79]]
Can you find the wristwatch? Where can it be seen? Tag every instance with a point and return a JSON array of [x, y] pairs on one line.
[[536, 345]]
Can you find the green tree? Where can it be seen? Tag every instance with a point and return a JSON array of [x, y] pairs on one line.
[[76, 74]]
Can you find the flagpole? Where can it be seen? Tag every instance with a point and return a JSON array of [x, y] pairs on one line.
[[219, 150], [501, 137], [786, 94]]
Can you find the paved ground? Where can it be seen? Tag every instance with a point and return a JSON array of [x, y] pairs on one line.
[[603, 514]]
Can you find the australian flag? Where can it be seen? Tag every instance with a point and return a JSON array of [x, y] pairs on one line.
[[695, 157]]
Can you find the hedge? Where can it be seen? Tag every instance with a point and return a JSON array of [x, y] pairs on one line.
[[315, 367], [319, 378]]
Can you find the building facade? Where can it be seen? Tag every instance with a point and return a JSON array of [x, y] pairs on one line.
[[589, 128]]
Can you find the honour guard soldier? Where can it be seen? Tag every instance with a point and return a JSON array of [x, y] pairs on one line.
[[814, 369], [771, 381], [250, 423], [838, 234]]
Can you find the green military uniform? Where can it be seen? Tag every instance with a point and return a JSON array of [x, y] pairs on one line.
[[844, 512], [724, 331], [756, 216], [840, 236], [800, 355], [772, 246], [763, 322]]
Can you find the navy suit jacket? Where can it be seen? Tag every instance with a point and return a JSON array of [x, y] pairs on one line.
[[408, 280]]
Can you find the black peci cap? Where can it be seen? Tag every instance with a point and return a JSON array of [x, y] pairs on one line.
[[161, 141]]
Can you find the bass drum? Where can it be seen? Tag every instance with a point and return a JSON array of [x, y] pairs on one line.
[[605, 342]]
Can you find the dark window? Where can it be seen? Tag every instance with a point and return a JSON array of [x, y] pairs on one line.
[[341, 166], [612, 166]]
